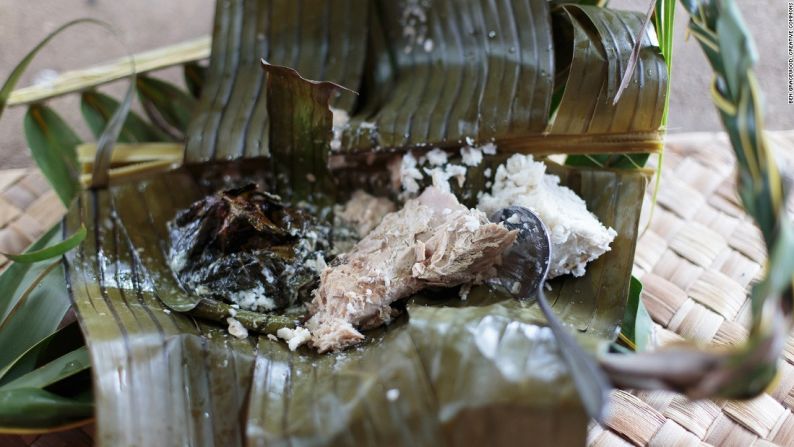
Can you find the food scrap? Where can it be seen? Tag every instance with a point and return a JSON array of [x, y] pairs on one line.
[[294, 337]]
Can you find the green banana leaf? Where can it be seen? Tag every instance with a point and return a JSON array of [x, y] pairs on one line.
[[452, 80], [602, 42], [452, 85], [589, 34], [446, 372], [299, 125], [485, 370], [324, 40], [451, 362]]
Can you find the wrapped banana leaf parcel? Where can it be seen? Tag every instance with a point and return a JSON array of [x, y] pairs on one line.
[[319, 275]]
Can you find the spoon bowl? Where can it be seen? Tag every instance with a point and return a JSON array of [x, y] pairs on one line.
[[523, 273], [525, 265]]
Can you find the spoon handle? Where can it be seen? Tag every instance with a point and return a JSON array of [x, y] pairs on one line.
[[590, 381]]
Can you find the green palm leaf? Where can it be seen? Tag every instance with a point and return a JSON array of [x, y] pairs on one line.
[[50, 373], [195, 75], [49, 252], [33, 305], [56, 344], [19, 69], [23, 409], [53, 147], [167, 106], [98, 108]]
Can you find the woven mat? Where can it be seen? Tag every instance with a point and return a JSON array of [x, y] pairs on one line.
[[28, 208], [697, 260]]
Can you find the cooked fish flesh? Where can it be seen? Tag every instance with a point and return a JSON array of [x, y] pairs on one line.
[[433, 241]]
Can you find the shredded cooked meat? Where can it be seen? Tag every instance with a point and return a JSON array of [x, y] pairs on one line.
[[364, 211], [432, 241]]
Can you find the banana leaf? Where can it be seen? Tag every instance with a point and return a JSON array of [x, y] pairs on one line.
[[447, 372], [299, 135], [600, 40], [320, 39], [450, 78], [484, 370], [437, 89], [456, 366], [592, 40]]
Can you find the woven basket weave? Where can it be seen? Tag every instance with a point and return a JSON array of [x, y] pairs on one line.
[[28, 207], [697, 260]]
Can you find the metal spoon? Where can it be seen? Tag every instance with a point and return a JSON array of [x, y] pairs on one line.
[[523, 273]]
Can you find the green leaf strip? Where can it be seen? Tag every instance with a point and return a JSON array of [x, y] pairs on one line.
[[53, 147], [50, 252], [67, 337], [25, 294], [165, 103], [98, 109], [52, 372], [100, 175], [19, 70], [31, 410], [37, 297], [637, 325]]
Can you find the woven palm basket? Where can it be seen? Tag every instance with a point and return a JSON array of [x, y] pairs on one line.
[[697, 259]]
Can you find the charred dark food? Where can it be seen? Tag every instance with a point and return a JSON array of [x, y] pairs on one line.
[[248, 248]]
